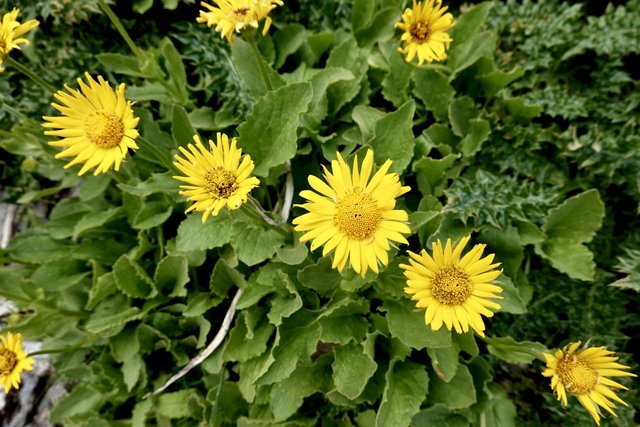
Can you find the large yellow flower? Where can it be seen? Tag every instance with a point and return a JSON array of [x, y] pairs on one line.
[[425, 28], [217, 177], [353, 215], [584, 373], [97, 126], [237, 15], [454, 289], [10, 32], [13, 361]]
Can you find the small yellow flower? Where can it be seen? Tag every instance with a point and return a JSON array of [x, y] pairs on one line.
[[454, 289], [217, 177], [10, 32], [584, 373], [237, 15], [13, 361], [354, 215], [425, 28], [97, 126]]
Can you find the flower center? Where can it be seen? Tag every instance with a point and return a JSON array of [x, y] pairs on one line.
[[8, 361], [577, 376], [357, 214], [241, 12], [220, 183], [104, 129], [3, 45], [420, 32], [451, 285]]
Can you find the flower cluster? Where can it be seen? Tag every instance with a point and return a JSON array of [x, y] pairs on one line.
[[11, 31], [13, 361]]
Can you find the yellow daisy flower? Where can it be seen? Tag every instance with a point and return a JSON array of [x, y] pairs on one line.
[[584, 373], [97, 125], [13, 361], [454, 289], [425, 28], [354, 215], [10, 32], [217, 177], [237, 15]]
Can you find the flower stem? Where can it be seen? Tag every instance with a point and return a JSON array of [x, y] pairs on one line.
[[263, 69], [27, 72], [123, 32], [148, 145]]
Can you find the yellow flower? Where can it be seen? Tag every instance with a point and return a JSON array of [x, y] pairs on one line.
[[13, 361], [353, 215], [97, 126], [217, 177], [237, 15], [454, 289], [10, 32], [584, 374], [425, 28]]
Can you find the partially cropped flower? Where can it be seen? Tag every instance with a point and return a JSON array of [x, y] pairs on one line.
[[354, 215], [425, 28], [97, 125], [455, 290], [10, 32], [584, 373], [13, 361], [215, 177], [237, 15]]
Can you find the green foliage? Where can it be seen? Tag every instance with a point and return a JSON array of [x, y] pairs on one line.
[[526, 138]]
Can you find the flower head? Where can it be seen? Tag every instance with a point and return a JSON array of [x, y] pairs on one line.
[[425, 28], [584, 373], [13, 361], [97, 125], [10, 32], [217, 177], [237, 15], [454, 289], [354, 215]]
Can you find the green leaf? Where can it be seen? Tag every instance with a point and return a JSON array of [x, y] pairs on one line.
[[511, 351], [432, 174], [380, 28], [573, 259], [461, 111], [345, 321], [406, 388], [131, 279], [125, 345], [433, 88], [478, 133], [96, 220], [288, 39], [246, 65], [175, 69], [420, 219], [321, 82], [241, 346], [393, 138], [17, 288], [576, 219], [121, 64], [181, 128], [94, 186], [464, 55], [59, 275], [269, 134], [83, 399], [352, 368], [459, 393], [396, 81], [521, 112], [293, 255], [160, 183], [445, 361], [179, 404], [470, 23], [194, 235], [512, 301], [320, 277], [99, 323], [440, 416], [407, 324], [38, 248], [254, 244], [172, 273], [496, 80], [131, 371]]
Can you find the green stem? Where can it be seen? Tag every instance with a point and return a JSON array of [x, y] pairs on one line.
[[27, 72], [263, 69], [116, 23], [166, 161]]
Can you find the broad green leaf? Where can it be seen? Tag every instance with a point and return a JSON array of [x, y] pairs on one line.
[[194, 235], [58, 275], [38, 248], [406, 388], [459, 393], [393, 138], [366, 118], [82, 399], [470, 23], [17, 288], [349, 56], [246, 65], [121, 64], [407, 324], [511, 351], [125, 345], [362, 13], [433, 88], [464, 55], [380, 29], [175, 69], [93, 186], [172, 274], [500, 411], [396, 81], [293, 255], [320, 277], [439, 416], [149, 92], [573, 259], [461, 111], [199, 302], [345, 321], [240, 347], [284, 304], [131, 279], [445, 361], [224, 278], [132, 370], [287, 40], [521, 112], [269, 134], [181, 128], [496, 80], [96, 220], [321, 82], [178, 404], [512, 301], [140, 413], [420, 219], [254, 244], [104, 286], [352, 368], [99, 323], [432, 174], [576, 219], [478, 133]]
